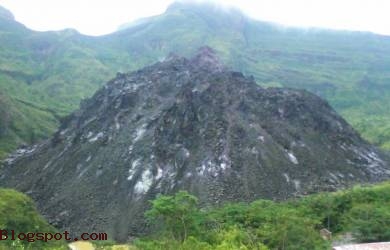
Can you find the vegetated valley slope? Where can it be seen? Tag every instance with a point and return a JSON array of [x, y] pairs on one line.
[[44, 75], [18, 213], [187, 124]]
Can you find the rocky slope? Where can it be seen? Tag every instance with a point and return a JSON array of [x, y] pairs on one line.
[[187, 124]]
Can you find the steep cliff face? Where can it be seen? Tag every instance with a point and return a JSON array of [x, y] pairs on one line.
[[187, 124]]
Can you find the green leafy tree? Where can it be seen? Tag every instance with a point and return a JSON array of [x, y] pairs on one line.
[[177, 213], [329, 208], [370, 222], [190, 243], [237, 238], [289, 232]]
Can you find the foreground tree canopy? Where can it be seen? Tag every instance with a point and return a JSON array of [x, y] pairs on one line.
[[295, 224], [179, 222]]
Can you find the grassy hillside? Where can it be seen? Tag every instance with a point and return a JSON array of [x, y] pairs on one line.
[[18, 213], [44, 75], [21, 122]]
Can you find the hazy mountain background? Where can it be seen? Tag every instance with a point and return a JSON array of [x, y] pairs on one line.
[[44, 75]]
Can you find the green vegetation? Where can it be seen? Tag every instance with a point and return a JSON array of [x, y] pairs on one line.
[[263, 224], [18, 212], [259, 225], [178, 214], [44, 75], [180, 223]]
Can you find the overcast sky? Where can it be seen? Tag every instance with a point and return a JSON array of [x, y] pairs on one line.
[[96, 17]]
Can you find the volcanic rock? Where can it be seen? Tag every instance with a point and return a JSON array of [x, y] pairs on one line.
[[189, 124]]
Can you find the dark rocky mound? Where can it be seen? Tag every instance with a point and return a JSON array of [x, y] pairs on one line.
[[187, 124]]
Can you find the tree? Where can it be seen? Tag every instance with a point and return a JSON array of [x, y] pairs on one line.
[[370, 222], [177, 214], [284, 228]]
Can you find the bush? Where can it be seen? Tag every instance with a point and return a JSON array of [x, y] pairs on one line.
[[370, 222]]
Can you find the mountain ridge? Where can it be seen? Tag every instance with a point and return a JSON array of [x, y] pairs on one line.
[[55, 70], [6, 14], [193, 124]]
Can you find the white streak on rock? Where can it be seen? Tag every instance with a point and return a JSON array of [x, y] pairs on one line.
[[292, 157], [286, 177], [117, 124], [333, 176], [82, 173], [202, 169], [139, 132], [297, 184], [187, 153], [131, 149], [159, 174], [132, 169], [96, 137], [144, 183], [89, 135]]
